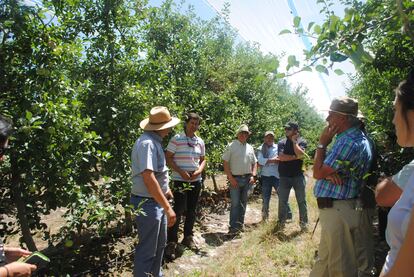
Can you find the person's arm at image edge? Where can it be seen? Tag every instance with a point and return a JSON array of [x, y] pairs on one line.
[[17, 269], [387, 193]]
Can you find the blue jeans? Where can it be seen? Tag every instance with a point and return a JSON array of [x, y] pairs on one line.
[[238, 197], [298, 183], [269, 182], [152, 235]]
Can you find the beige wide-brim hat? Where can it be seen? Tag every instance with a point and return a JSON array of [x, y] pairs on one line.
[[159, 119], [243, 128]]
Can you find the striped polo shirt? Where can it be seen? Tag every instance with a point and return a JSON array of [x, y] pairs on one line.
[[351, 157], [187, 152]]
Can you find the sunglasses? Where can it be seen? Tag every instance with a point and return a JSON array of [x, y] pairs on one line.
[[191, 144]]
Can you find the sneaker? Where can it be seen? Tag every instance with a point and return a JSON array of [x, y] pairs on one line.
[[303, 227], [170, 251], [233, 231], [265, 216], [189, 242]]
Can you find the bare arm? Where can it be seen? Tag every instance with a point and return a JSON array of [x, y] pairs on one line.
[[403, 265], [286, 158], [254, 173], [321, 170], [17, 269], [202, 165], [254, 169], [154, 189], [230, 177], [299, 152], [387, 193]]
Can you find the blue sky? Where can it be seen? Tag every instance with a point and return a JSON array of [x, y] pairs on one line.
[[262, 20]]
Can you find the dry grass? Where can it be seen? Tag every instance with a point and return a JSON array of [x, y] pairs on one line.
[[266, 251]]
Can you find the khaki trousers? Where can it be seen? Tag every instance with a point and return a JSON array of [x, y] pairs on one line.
[[344, 250]]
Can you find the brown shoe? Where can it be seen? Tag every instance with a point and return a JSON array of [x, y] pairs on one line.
[[189, 242], [170, 251]]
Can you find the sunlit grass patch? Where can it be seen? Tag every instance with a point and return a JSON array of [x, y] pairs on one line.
[[268, 250]]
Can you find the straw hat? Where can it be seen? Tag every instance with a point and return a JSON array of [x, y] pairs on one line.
[[159, 119]]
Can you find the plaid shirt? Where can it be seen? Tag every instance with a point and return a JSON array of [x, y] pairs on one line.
[[350, 156]]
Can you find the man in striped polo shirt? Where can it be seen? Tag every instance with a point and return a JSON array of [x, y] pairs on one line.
[[340, 176], [185, 156]]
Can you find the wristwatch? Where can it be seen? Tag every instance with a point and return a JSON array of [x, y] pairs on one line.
[[320, 146]]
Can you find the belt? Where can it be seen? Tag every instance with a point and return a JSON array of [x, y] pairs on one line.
[[145, 197], [243, 176], [327, 202]]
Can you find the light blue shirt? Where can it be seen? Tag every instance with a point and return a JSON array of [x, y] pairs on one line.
[[270, 169], [147, 153]]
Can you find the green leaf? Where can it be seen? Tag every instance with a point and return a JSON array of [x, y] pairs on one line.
[[292, 61], [339, 72], [322, 69], [337, 57], [333, 22], [69, 243], [280, 75], [317, 29], [285, 31], [29, 115], [307, 68], [310, 25], [296, 21]]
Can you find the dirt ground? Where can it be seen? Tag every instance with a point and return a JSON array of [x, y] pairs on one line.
[[113, 255]]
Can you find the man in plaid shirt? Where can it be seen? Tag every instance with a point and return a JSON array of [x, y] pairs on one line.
[[340, 176]]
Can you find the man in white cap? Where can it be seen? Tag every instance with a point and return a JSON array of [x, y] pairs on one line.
[[340, 175], [268, 162], [150, 192], [240, 166]]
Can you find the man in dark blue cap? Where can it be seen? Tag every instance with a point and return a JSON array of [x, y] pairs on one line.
[[291, 150]]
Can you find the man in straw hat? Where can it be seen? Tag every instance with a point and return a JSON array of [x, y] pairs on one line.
[[340, 175], [240, 166], [150, 192]]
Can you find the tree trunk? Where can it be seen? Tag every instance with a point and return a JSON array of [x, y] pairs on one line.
[[213, 178], [21, 210], [128, 222]]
